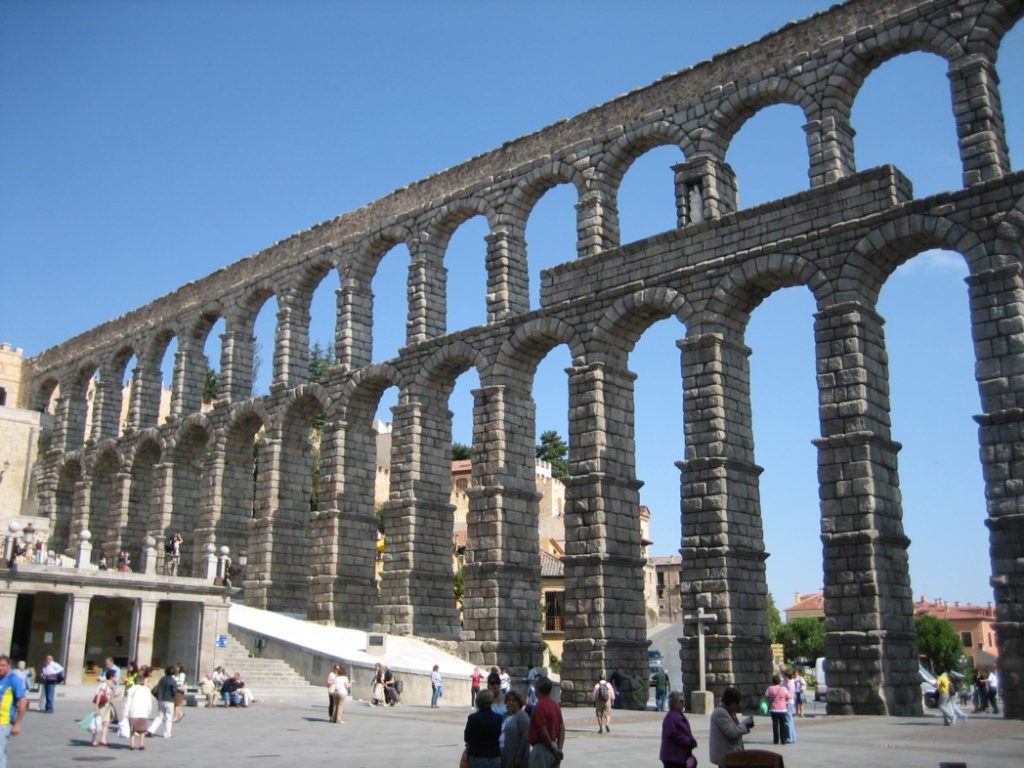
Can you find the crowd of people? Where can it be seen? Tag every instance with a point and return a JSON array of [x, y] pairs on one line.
[[501, 734]]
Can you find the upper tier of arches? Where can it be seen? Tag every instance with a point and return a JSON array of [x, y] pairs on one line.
[[698, 110]]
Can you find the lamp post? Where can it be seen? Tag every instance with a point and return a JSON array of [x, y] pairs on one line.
[[11, 542]]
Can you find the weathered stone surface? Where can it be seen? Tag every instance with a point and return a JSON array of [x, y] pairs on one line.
[[841, 239]]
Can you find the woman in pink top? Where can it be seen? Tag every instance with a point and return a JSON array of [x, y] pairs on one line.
[[778, 697]]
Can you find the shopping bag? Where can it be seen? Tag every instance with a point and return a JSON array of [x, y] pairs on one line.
[[124, 729], [86, 722]]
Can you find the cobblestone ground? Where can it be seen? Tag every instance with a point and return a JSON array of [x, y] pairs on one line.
[[289, 730]]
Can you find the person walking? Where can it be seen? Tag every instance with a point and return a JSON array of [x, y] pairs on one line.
[[677, 742], [727, 731], [13, 703], [179, 695], [483, 734], [945, 688], [778, 699], [474, 685], [602, 698], [787, 680], [660, 680], [992, 691], [332, 689], [104, 703], [547, 729], [137, 707], [515, 733], [342, 689], [51, 674], [165, 690], [436, 687]]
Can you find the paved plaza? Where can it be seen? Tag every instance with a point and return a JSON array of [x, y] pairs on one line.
[[292, 730]]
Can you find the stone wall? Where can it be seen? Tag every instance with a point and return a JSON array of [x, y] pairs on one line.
[[841, 239]]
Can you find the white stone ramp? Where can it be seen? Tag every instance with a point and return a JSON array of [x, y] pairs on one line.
[[401, 653]]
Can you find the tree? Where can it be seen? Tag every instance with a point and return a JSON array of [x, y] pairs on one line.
[[938, 642], [210, 385], [552, 449], [320, 360], [460, 452], [774, 621], [802, 639]]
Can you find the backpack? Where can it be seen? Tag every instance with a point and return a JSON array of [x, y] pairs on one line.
[[602, 692], [169, 547]]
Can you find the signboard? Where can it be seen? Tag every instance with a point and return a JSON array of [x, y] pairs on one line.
[[222, 641]]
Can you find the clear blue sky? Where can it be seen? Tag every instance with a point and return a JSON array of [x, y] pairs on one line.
[[147, 144]]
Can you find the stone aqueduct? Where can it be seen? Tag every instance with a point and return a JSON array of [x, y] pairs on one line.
[[841, 238]]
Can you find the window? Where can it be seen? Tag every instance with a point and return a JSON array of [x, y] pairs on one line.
[[3, 396], [966, 640], [553, 612]]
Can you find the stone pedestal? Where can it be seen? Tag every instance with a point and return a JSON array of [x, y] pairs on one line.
[[701, 702]]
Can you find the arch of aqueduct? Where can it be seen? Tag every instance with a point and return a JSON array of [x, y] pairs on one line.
[[841, 238]]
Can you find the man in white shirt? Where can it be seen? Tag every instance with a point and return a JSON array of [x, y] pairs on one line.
[[51, 674], [993, 691]]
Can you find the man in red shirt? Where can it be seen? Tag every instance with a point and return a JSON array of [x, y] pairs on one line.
[[547, 729]]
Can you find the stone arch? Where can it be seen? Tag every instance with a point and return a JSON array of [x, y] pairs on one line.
[[362, 391], [43, 391], [518, 358], [104, 499], [142, 459], [77, 412], [881, 251], [112, 375], [531, 187], [151, 436], [63, 525], [438, 373], [742, 289], [995, 19], [188, 451], [360, 270], [450, 216], [239, 443], [238, 371], [622, 325], [152, 382], [620, 155], [739, 106], [847, 75], [193, 344]]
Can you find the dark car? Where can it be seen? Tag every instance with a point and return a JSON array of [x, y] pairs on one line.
[[655, 664]]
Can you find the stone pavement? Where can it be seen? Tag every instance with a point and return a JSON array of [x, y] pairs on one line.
[[288, 730]]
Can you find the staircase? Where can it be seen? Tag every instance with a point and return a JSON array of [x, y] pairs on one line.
[[266, 677]]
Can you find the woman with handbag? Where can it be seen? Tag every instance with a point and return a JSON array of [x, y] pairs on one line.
[[778, 706], [104, 703], [677, 742]]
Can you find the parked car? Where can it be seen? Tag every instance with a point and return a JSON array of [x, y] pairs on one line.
[[654, 663], [821, 687], [929, 687]]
